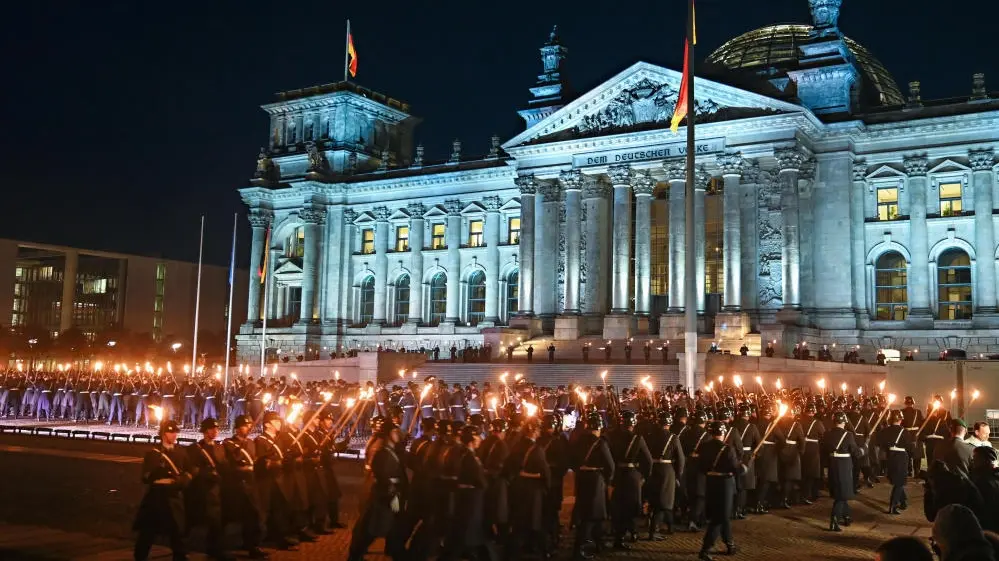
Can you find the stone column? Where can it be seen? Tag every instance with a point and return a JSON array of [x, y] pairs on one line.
[[350, 238], [416, 211], [333, 262], [807, 236], [492, 239], [595, 194], [749, 241], [858, 242], [71, 265], [546, 250], [982, 162], [701, 179], [452, 238], [528, 188], [259, 222], [644, 185], [676, 174], [382, 227], [830, 214], [572, 183], [920, 314], [731, 167], [621, 177], [789, 161], [312, 219]]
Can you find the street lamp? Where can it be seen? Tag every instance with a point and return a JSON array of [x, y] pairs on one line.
[[176, 346]]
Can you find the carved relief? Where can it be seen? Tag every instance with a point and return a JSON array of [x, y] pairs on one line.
[[492, 203], [266, 168], [317, 163], [645, 102], [731, 164], [260, 218], [620, 174], [551, 191], [981, 160], [453, 207], [643, 183], [312, 215], [860, 170], [676, 170], [416, 210], [527, 184], [771, 241], [562, 257], [915, 166], [582, 255], [572, 180], [381, 213]]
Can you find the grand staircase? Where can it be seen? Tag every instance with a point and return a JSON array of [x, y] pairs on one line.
[[543, 373]]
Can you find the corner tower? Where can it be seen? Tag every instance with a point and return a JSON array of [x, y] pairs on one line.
[[551, 92], [827, 78]]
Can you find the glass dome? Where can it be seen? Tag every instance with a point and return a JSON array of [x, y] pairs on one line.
[[776, 47]]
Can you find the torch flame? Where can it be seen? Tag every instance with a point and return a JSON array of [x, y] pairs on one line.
[[267, 398], [822, 384], [426, 390], [517, 377], [759, 380], [881, 385], [531, 408], [327, 396], [737, 380], [402, 373], [860, 390], [936, 405], [953, 394], [891, 398], [336, 374], [98, 366], [350, 402], [779, 384], [975, 395], [157, 412], [782, 410], [492, 403], [295, 409], [721, 380], [603, 375]]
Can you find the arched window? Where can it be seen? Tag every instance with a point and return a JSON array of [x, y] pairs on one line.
[[891, 291], [512, 295], [438, 298], [402, 299], [954, 285], [476, 297], [294, 246], [367, 300]]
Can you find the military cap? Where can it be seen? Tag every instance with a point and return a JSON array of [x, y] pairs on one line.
[[209, 424], [169, 426], [271, 416], [242, 421]]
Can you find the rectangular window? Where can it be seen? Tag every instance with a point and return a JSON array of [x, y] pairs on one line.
[[367, 241], [513, 231], [950, 199], [402, 238], [158, 302], [475, 233], [299, 242], [887, 203], [992, 418], [437, 236], [660, 260]]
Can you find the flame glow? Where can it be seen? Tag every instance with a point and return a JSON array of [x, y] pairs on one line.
[[157, 412], [881, 385], [782, 410], [975, 395], [737, 380], [891, 398], [296, 408], [531, 408]]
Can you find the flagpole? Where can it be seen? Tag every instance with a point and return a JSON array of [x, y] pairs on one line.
[[197, 301], [690, 261], [346, 53], [232, 288], [263, 330]]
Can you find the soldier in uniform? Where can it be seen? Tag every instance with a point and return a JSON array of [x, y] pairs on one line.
[[381, 499], [530, 476], [750, 436], [790, 460], [667, 463], [935, 431], [720, 465], [811, 456], [467, 535], [899, 445], [274, 488], [494, 453], [693, 480], [328, 449], [766, 461], [166, 470], [912, 419], [841, 447], [633, 464], [593, 465], [204, 495], [239, 487], [556, 448]]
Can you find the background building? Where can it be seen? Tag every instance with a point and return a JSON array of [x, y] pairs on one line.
[[830, 208], [55, 288]]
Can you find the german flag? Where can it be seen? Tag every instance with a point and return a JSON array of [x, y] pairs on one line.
[[263, 259], [351, 53], [681, 103]]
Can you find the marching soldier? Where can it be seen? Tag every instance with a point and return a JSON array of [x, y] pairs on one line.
[[274, 488], [899, 445], [693, 480], [790, 461], [841, 447], [166, 470], [204, 495], [934, 432], [555, 446], [811, 457], [633, 463], [667, 464], [750, 437], [766, 461], [240, 497], [467, 534], [328, 448], [530, 477], [381, 499], [494, 453], [594, 468], [912, 419], [720, 466]]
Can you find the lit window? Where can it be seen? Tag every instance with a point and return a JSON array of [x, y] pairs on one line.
[[402, 238], [367, 240], [475, 233], [891, 293], [513, 231], [402, 299], [476, 298], [887, 203], [437, 236], [367, 300], [512, 295], [950, 199], [158, 301], [438, 298], [954, 285]]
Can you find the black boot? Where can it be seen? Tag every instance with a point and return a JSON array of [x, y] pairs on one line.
[[730, 549], [834, 525]]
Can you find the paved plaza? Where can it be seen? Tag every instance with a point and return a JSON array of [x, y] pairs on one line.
[[75, 499]]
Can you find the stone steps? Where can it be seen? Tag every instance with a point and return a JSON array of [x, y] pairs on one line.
[[546, 374]]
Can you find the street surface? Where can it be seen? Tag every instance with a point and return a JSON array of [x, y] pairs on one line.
[[65, 499]]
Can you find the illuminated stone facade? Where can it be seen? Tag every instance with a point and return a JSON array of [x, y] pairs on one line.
[[828, 209]]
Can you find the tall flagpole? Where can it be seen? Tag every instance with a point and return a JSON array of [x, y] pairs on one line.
[[197, 301], [346, 53], [689, 281], [232, 288], [263, 330]]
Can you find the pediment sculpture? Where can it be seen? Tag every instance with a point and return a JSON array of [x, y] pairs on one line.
[[645, 102]]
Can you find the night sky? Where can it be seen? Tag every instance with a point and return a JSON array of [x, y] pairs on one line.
[[123, 124]]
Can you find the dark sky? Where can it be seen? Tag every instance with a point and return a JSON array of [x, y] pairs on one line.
[[125, 121]]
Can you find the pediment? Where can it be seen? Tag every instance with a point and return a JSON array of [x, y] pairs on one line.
[[289, 267], [435, 211], [644, 97], [473, 208], [949, 166], [512, 204], [886, 172], [364, 218], [399, 214]]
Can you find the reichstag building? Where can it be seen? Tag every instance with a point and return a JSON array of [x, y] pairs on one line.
[[830, 207]]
